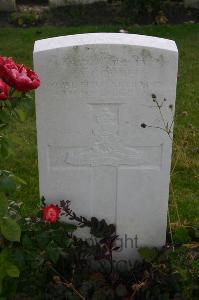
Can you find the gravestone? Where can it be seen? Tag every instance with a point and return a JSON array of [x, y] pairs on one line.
[[191, 3], [7, 5], [57, 3], [95, 94]]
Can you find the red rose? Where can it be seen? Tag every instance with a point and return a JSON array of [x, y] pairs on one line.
[[51, 213], [4, 88], [18, 76]]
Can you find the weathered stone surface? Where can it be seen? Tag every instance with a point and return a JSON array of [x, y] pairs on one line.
[[7, 5], [95, 94], [191, 3], [57, 3]]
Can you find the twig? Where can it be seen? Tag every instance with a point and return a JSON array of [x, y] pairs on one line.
[[175, 163], [158, 106], [71, 286], [68, 212], [170, 230], [66, 283], [175, 202]]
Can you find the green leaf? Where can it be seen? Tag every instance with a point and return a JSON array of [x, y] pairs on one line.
[[19, 257], [19, 180], [3, 205], [4, 150], [11, 230], [105, 293], [53, 253], [70, 227], [121, 290], [43, 239], [27, 96], [2, 126], [14, 102], [7, 183], [4, 116], [4, 257], [21, 115], [197, 233], [149, 254], [27, 242], [4, 147], [181, 236], [12, 270], [1, 286]]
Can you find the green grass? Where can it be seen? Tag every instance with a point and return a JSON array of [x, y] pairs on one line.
[[18, 43]]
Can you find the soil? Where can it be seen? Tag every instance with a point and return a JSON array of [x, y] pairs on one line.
[[96, 14]]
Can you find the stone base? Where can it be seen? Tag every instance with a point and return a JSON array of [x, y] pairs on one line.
[[7, 5], [191, 3], [58, 3]]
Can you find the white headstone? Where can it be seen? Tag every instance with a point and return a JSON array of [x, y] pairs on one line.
[[7, 5], [95, 94], [191, 3], [57, 3]]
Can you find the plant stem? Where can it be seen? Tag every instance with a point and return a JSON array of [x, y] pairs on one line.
[[71, 286], [68, 284], [170, 230]]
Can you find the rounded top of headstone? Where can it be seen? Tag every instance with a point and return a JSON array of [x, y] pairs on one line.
[[104, 39]]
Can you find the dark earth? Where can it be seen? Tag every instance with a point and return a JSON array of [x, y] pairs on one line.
[[37, 13]]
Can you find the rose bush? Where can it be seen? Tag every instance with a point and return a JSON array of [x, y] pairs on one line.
[[56, 264], [14, 78]]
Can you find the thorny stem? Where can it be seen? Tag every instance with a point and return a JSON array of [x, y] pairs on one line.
[[71, 286], [139, 286], [68, 284], [65, 205], [69, 213], [110, 258]]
